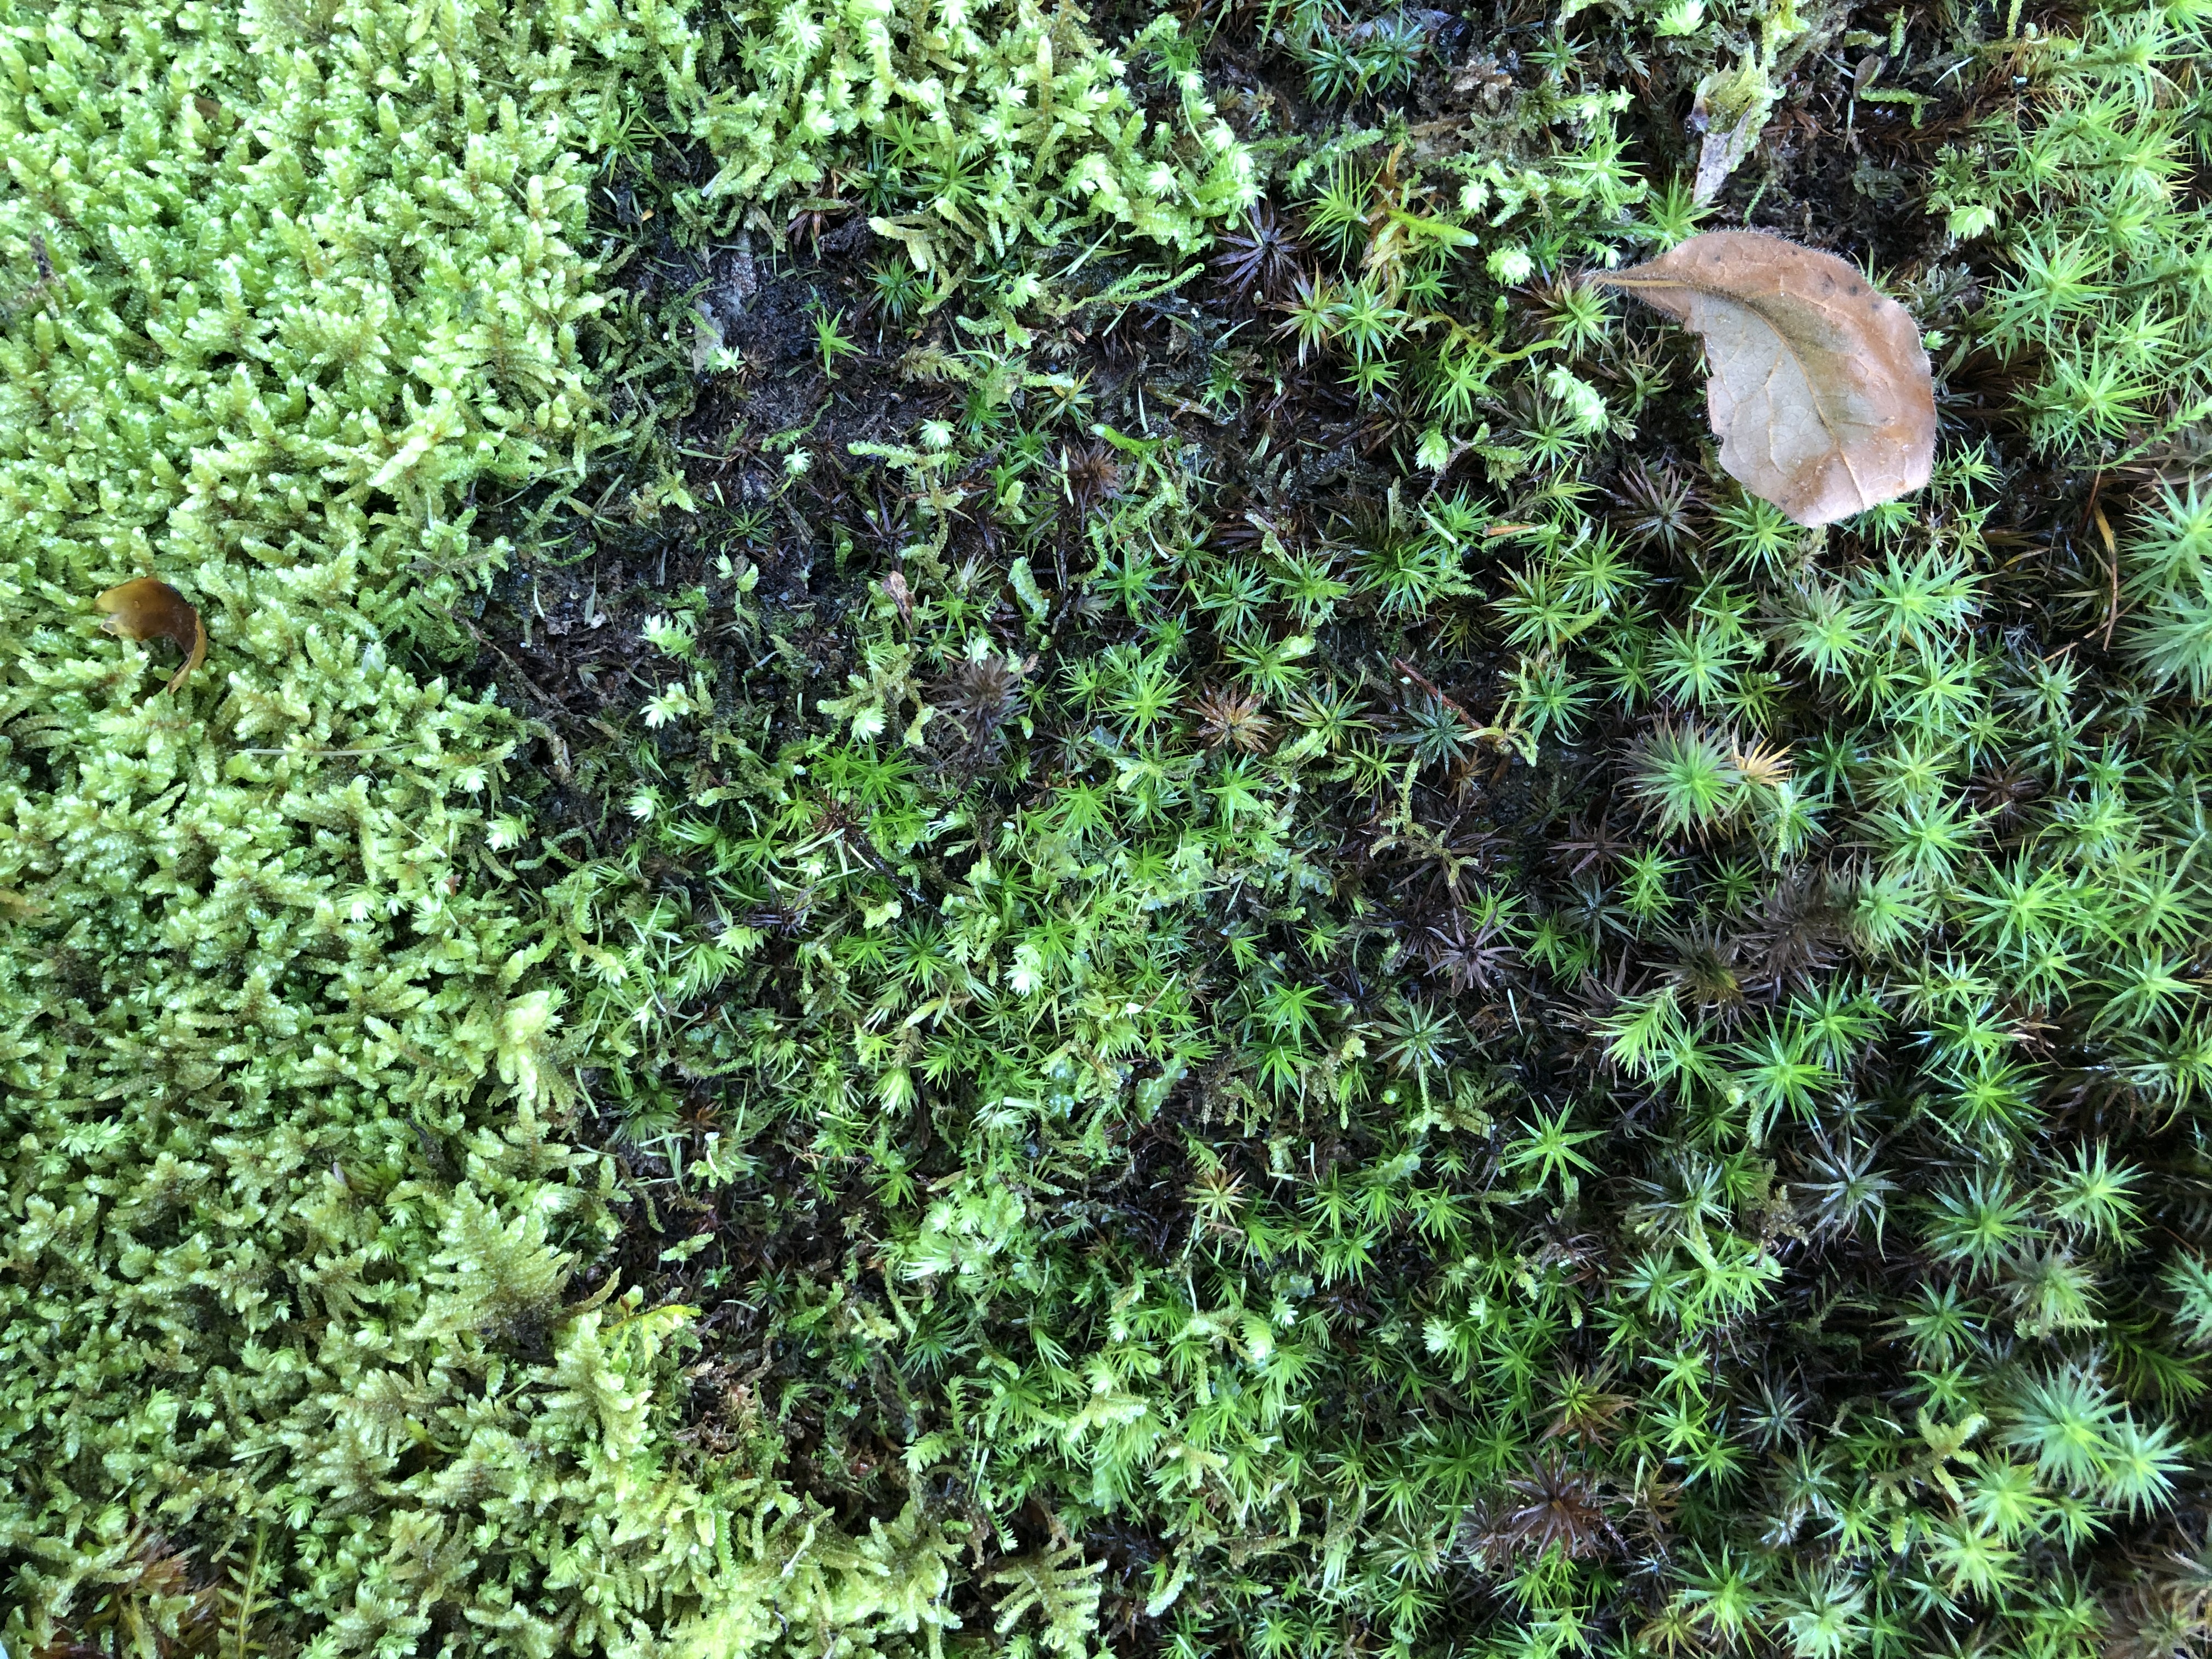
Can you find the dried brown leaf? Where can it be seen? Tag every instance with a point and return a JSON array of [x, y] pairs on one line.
[[1819, 391], [150, 609]]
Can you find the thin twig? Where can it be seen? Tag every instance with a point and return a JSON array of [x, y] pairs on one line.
[[378, 749]]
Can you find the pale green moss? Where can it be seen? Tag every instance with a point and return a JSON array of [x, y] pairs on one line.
[[997, 121], [288, 1259]]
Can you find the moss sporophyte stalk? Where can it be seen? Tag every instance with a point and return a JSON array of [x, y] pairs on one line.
[[961, 828]]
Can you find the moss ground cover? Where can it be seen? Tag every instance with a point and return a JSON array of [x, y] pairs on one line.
[[295, 1353], [996, 841]]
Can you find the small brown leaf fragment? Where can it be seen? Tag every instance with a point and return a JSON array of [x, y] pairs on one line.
[[150, 609], [1819, 391]]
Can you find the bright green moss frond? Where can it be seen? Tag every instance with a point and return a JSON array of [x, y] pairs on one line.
[[967, 127], [291, 1270]]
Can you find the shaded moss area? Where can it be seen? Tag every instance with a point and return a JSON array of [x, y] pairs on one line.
[[1224, 1058]]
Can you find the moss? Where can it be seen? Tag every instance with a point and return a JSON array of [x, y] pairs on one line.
[[1210, 950], [990, 129], [1334, 972], [291, 1268]]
